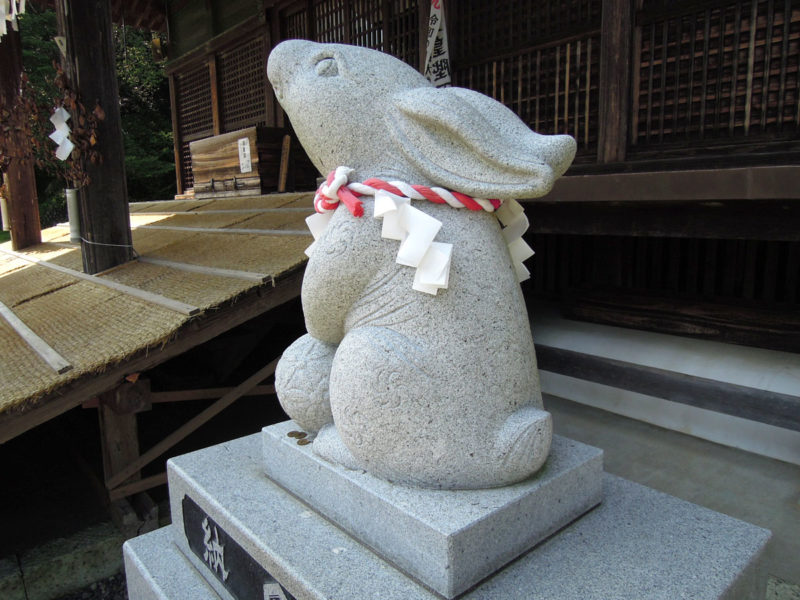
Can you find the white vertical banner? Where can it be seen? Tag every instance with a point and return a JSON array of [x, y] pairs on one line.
[[437, 53], [9, 11]]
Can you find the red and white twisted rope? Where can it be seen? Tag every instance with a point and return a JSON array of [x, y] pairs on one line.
[[337, 189]]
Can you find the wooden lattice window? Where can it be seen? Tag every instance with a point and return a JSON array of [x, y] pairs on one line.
[[403, 31], [540, 61], [330, 21], [487, 28], [195, 118], [296, 26], [187, 177], [711, 71], [242, 79], [366, 27]]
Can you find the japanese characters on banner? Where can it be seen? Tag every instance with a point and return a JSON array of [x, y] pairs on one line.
[[437, 54], [8, 14]]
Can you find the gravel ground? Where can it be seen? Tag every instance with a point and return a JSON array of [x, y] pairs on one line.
[[113, 588]]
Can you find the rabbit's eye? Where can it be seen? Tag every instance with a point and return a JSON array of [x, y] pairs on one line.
[[327, 67]]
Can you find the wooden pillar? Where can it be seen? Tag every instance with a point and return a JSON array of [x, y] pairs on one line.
[[275, 35], [105, 222], [216, 109], [614, 84], [119, 441], [176, 133], [22, 201]]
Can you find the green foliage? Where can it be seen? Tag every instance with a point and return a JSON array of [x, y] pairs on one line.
[[144, 111], [146, 122]]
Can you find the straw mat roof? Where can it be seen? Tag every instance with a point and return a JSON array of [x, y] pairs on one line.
[[196, 257]]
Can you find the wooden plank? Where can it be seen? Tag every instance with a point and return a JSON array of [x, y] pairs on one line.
[[191, 425], [176, 134], [704, 84], [176, 305], [216, 106], [22, 200], [119, 439], [57, 362], [787, 11], [190, 268], [217, 157], [129, 489], [206, 394], [662, 108], [614, 84], [765, 69], [751, 57], [745, 183], [763, 406], [776, 221], [636, 77], [283, 172], [227, 230], [737, 28], [105, 223], [198, 331]]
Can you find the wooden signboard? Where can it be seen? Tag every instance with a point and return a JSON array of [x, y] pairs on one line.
[[252, 161]]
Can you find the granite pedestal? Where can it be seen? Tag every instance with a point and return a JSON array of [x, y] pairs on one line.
[[241, 534], [447, 539]]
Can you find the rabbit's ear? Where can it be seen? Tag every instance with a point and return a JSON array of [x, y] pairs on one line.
[[470, 143]]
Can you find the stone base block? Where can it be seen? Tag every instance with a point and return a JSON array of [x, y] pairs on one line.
[[639, 543], [156, 570], [447, 540]]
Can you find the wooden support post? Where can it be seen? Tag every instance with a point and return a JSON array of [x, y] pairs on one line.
[[176, 133], [614, 85], [119, 441], [283, 171], [216, 109], [90, 67], [275, 39], [22, 201]]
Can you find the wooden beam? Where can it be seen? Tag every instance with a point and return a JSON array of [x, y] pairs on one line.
[[170, 303], [57, 362], [744, 322], [742, 220], [747, 183], [22, 200], [105, 222], [176, 134], [227, 230], [193, 333], [283, 172], [208, 394], [615, 63], [134, 487], [119, 439], [181, 266], [216, 107], [191, 425], [771, 408]]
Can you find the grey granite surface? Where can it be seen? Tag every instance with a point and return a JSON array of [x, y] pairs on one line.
[[436, 389], [447, 539], [637, 544]]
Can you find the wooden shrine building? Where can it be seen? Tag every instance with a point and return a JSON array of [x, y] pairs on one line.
[[680, 214], [666, 281]]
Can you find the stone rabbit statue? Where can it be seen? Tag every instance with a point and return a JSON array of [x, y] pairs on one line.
[[425, 377]]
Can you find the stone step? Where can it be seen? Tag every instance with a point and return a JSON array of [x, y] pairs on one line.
[[639, 543], [449, 540], [156, 570]]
